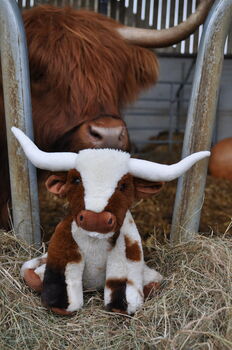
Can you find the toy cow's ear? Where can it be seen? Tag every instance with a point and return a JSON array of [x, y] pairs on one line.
[[144, 188], [56, 184]]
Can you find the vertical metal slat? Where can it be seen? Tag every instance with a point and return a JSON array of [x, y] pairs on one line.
[[16, 87], [159, 15], [191, 43], [151, 13], [200, 120]]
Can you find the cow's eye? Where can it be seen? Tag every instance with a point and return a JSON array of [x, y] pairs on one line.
[[122, 187], [76, 180]]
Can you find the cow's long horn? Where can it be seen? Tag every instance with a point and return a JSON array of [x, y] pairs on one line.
[[159, 172], [54, 161], [167, 37]]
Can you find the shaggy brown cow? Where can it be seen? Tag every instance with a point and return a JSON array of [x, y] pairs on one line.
[[82, 73]]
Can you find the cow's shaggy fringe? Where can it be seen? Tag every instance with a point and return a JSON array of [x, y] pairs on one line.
[[192, 310]]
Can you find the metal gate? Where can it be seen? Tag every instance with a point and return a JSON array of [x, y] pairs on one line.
[[198, 134], [157, 14]]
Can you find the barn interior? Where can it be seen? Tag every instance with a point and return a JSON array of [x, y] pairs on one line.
[[193, 308]]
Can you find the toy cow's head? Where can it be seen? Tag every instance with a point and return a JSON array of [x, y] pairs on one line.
[[101, 184]]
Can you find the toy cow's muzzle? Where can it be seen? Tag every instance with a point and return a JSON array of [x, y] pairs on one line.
[[103, 222]]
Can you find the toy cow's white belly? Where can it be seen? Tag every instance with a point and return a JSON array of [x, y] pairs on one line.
[[95, 252]]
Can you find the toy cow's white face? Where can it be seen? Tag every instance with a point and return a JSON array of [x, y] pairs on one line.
[[102, 183]]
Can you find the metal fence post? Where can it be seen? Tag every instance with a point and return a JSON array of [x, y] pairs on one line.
[[200, 120], [17, 100]]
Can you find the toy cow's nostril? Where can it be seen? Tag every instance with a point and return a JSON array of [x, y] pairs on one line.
[[81, 218], [110, 220]]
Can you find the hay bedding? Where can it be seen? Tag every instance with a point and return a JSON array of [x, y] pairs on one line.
[[192, 310]]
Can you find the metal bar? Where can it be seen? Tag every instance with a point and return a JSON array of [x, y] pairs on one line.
[[143, 10], [200, 121], [159, 14], [126, 3], [151, 13], [135, 7], [17, 100], [191, 39], [168, 12], [184, 17]]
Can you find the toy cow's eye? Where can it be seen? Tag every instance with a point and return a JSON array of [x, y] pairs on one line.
[[122, 187], [76, 180]]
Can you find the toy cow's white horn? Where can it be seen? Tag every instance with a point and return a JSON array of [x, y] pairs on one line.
[[54, 161], [159, 172]]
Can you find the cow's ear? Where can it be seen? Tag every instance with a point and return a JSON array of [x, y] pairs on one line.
[[144, 188], [56, 184]]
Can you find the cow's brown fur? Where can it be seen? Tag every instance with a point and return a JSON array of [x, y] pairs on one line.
[[80, 68]]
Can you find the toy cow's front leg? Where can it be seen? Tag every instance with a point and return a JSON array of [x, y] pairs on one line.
[[124, 272], [62, 286]]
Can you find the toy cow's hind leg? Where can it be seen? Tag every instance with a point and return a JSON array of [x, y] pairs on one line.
[[62, 285], [151, 281], [32, 272], [62, 289]]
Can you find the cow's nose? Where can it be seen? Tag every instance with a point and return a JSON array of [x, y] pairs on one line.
[[108, 132], [103, 222], [109, 137]]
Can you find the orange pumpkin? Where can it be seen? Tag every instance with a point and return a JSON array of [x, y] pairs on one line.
[[220, 163]]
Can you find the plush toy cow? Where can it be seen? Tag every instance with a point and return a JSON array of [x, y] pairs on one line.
[[98, 244]]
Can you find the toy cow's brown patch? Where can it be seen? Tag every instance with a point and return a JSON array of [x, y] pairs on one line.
[[118, 295], [121, 200], [61, 312], [118, 311], [33, 280], [133, 251], [150, 289], [115, 283], [62, 247]]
